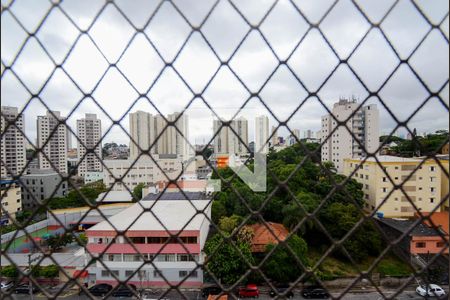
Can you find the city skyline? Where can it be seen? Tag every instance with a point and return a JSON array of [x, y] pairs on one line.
[[253, 63]]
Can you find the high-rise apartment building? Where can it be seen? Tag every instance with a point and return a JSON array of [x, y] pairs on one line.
[[52, 139], [340, 144], [148, 131], [89, 150], [262, 134], [13, 154], [232, 140], [275, 140]]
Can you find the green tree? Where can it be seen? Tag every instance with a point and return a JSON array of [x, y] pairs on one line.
[[9, 271], [228, 224], [282, 266], [83, 238], [137, 191], [50, 271], [56, 242], [224, 261]]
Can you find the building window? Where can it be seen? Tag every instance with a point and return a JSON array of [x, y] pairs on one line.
[[432, 189], [421, 245], [431, 200], [384, 179], [157, 273], [182, 274], [433, 179], [440, 244], [367, 177], [432, 168], [128, 273], [384, 190], [138, 240]]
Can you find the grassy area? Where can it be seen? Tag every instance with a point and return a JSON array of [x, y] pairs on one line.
[[332, 268]]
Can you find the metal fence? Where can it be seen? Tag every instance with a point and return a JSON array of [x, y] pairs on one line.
[[255, 18]]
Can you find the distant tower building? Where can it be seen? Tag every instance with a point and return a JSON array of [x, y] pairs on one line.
[[89, 132], [229, 142], [152, 131], [308, 134], [262, 134], [55, 150], [294, 138], [340, 144], [13, 153], [274, 136]]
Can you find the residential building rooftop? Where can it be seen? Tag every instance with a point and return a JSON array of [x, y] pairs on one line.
[[177, 196], [115, 197], [405, 225], [439, 219], [174, 215], [263, 236]]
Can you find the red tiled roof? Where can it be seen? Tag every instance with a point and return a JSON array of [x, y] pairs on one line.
[[264, 237], [438, 219]]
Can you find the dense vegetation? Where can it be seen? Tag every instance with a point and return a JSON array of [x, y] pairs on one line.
[[50, 271], [308, 187], [419, 146], [86, 194]]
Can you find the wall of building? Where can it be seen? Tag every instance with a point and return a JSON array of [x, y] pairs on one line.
[[377, 187], [143, 171], [11, 201], [427, 244], [41, 186]]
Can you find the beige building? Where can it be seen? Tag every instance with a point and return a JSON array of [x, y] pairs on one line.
[[13, 156], [231, 141], [143, 171], [149, 130], [443, 159], [89, 132], [340, 144], [423, 187], [54, 136], [11, 200]]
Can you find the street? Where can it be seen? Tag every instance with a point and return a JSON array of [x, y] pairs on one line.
[[409, 294]]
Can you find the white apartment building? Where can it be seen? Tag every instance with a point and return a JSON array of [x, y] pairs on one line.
[[262, 134], [89, 132], [146, 128], [175, 259], [143, 171], [56, 148], [229, 142], [13, 154], [340, 144]]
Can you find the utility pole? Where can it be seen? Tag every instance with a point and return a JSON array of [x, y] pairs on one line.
[[30, 260]]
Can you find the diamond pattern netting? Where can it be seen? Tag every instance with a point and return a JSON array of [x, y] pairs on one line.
[[195, 27]]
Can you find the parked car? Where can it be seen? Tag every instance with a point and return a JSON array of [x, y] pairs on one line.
[[211, 290], [25, 289], [251, 290], [431, 290], [125, 291], [99, 289], [315, 292], [281, 289], [6, 285]]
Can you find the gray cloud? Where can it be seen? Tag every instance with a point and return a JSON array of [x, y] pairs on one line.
[[254, 61]]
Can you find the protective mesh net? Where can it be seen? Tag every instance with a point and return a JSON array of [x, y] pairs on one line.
[[377, 50]]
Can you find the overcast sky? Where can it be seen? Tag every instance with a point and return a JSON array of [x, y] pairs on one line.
[[254, 62]]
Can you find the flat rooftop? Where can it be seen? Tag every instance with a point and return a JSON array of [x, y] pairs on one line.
[[152, 215], [405, 225], [177, 196]]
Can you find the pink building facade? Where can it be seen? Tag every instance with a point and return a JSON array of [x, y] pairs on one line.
[[162, 240]]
